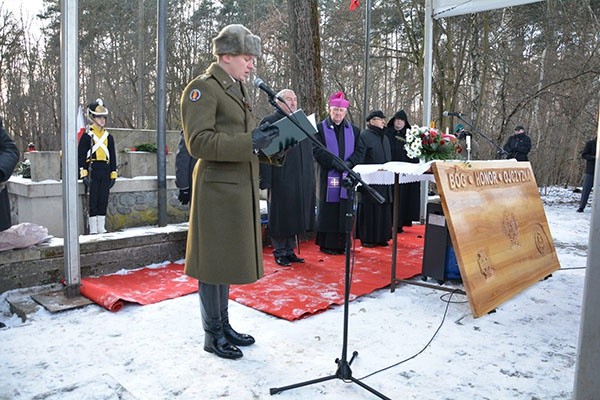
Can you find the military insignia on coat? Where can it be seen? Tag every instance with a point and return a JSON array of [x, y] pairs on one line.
[[195, 95]]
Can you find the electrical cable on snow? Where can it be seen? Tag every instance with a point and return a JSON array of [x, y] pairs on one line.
[[448, 302]]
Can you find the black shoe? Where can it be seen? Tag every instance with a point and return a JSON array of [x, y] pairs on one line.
[[238, 339], [283, 261], [294, 258], [580, 210], [368, 244], [221, 347], [332, 252], [382, 244]]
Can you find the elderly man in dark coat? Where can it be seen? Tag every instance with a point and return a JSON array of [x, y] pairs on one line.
[[224, 243], [409, 194], [373, 226], [9, 156], [341, 138], [291, 191]]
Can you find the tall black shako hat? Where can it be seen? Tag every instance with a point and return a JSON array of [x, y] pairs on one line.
[[96, 109], [236, 39]]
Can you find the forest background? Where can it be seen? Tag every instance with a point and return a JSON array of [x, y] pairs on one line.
[[536, 65]]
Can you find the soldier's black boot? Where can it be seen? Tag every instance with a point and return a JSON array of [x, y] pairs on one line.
[[214, 337], [239, 339]]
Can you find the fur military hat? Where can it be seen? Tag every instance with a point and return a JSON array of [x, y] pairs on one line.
[[96, 109], [235, 40]]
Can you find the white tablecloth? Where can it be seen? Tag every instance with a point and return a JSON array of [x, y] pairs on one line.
[[383, 174]]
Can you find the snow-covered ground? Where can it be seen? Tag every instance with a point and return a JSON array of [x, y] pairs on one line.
[[527, 349]]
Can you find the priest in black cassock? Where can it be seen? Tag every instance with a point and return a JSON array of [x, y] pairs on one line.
[[291, 191], [373, 226], [341, 138]]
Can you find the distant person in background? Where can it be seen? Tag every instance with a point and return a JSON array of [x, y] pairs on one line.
[[518, 145], [291, 191], [184, 168], [341, 138], [373, 226], [97, 164], [9, 157], [589, 155], [409, 194]]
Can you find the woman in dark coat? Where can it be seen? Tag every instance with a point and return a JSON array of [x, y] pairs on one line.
[[409, 194], [374, 226], [9, 156]]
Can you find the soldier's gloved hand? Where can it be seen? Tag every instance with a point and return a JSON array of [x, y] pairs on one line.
[[263, 136], [184, 196], [86, 182], [112, 183]]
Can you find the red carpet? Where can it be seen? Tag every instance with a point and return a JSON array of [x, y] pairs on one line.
[[285, 292], [143, 286], [303, 289]]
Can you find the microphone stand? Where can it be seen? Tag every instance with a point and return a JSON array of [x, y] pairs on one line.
[[352, 180], [499, 149]]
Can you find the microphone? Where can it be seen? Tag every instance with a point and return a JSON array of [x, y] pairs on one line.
[[453, 114], [260, 84]]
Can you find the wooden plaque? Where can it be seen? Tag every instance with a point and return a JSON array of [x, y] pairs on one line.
[[498, 228]]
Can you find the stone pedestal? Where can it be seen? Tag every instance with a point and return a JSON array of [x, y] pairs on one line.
[[44, 165], [142, 163]]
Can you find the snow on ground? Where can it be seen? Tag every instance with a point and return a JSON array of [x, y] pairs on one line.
[[527, 349]]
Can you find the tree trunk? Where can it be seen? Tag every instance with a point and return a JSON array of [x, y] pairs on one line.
[[306, 54]]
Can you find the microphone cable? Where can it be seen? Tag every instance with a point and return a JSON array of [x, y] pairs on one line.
[[448, 302]]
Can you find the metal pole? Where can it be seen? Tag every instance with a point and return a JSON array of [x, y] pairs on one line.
[[367, 60], [69, 99], [587, 384], [161, 106], [427, 74]]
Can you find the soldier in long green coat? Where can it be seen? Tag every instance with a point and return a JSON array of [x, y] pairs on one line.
[[224, 244]]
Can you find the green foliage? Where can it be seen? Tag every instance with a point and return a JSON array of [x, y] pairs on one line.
[[149, 147], [24, 169]]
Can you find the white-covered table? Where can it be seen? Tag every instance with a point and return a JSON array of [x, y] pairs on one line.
[[394, 173]]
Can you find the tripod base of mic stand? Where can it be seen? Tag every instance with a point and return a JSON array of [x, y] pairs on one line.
[[343, 372]]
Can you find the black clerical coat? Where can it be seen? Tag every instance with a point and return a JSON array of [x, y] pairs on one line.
[[291, 189]]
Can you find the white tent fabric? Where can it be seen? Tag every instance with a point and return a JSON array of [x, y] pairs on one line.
[[450, 8]]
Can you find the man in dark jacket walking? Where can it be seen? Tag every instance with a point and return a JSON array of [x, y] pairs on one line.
[[518, 145], [589, 155], [9, 156], [291, 190]]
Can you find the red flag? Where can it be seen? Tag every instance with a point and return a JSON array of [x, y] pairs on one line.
[[354, 4], [80, 124]]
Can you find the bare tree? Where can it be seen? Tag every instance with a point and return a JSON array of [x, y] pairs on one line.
[[305, 54]]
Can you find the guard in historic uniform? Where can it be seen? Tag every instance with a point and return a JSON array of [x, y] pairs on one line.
[[97, 164]]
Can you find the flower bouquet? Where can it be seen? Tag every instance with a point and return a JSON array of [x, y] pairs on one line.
[[431, 144]]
